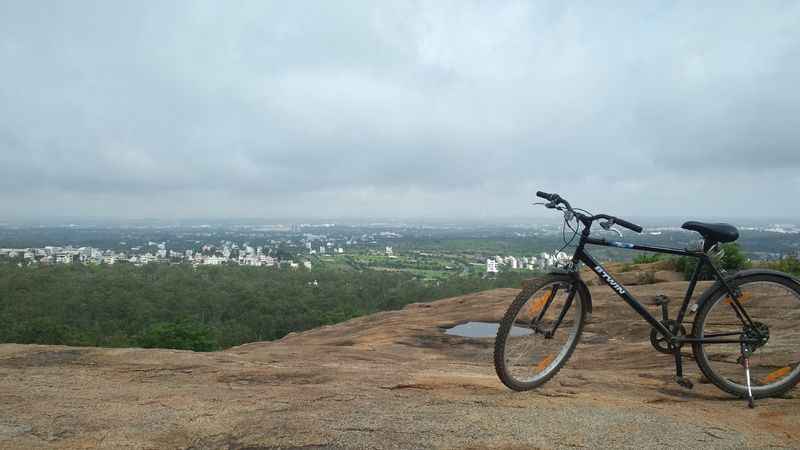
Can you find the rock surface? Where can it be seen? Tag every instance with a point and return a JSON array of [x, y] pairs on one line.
[[389, 380]]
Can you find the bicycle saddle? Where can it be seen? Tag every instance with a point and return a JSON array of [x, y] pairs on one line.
[[717, 232]]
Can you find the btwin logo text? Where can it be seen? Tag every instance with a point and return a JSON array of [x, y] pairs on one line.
[[611, 281]]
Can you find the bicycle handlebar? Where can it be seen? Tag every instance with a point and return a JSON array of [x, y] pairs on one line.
[[555, 198], [617, 221], [628, 225], [546, 196]]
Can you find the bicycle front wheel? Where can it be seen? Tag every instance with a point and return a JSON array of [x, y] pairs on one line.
[[773, 304], [539, 332]]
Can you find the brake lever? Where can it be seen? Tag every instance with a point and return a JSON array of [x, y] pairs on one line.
[[608, 226]]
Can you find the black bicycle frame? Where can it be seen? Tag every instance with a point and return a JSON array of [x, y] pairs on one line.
[[672, 334]]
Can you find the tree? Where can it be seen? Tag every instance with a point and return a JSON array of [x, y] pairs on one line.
[[789, 264], [732, 260], [203, 308], [646, 258], [183, 335]]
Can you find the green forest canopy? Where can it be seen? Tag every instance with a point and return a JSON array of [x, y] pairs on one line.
[[203, 308]]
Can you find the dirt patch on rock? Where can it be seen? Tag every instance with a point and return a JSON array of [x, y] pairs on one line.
[[44, 358]]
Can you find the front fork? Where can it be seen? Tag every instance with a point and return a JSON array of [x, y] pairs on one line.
[[548, 334]]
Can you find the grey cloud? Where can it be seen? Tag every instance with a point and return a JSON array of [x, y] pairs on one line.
[[204, 108]]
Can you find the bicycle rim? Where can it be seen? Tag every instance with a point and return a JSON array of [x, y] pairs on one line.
[[530, 356]]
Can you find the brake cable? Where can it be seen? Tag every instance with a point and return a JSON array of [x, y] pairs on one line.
[[566, 223]]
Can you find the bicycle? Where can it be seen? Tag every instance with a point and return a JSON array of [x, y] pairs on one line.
[[748, 352]]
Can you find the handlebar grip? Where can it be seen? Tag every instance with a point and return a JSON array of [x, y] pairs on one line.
[[546, 196], [628, 225]]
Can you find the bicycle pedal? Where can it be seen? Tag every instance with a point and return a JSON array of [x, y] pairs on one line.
[[684, 382], [661, 299]]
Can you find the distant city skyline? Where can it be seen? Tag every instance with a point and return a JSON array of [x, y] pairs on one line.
[[531, 220], [305, 244], [432, 110]]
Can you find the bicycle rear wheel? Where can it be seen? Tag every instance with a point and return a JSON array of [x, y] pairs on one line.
[[773, 304], [539, 332]]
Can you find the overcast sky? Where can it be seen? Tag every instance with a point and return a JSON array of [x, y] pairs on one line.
[[398, 109]]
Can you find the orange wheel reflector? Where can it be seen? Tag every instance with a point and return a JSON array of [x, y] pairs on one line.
[[545, 362], [776, 374], [742, 298], [538, 304]]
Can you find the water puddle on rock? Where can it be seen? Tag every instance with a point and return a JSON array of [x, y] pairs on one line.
[[483, 330]]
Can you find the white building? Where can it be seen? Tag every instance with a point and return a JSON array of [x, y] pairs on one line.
[[147, 258], [512, 261], [250, 260], [389, 251], [491, 266], [214, 260], [545, 260], [63, 258], [307, 264]]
